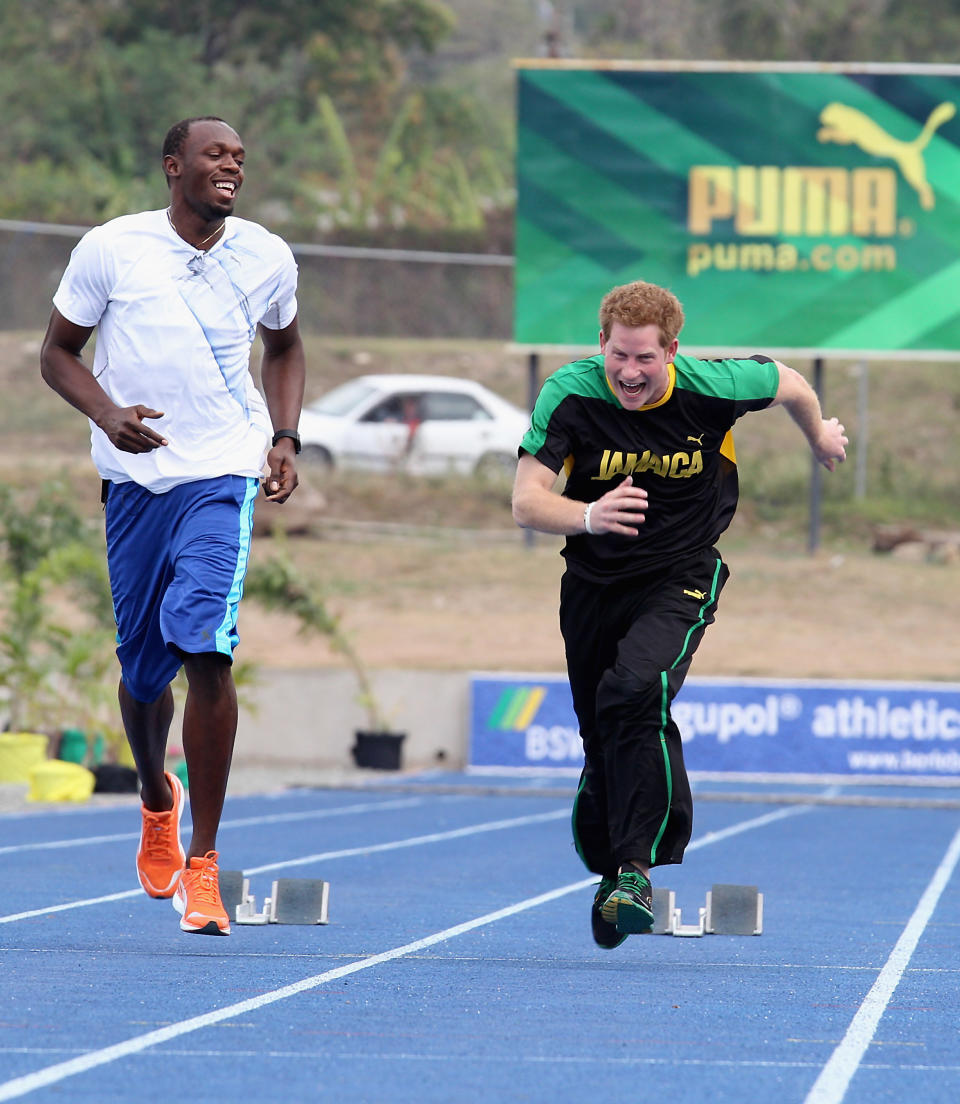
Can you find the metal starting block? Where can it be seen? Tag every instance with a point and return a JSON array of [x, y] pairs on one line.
[[664, 907], [233, 889], [730, 910], [734, 910], [299, 901], [291, 900]]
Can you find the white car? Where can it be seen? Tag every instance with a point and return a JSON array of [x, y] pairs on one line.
[[425, 425]]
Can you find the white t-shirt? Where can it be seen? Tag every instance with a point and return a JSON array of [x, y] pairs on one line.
[[174, 330]]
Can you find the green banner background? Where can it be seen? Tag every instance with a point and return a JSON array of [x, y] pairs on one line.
[[604, 160]]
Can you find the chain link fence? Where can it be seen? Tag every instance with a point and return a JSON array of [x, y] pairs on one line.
[[343, 291]]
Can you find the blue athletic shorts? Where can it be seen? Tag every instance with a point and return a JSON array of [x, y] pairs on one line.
[[177, 561]]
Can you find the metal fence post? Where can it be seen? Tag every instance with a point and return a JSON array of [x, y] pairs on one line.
[[816, 476]]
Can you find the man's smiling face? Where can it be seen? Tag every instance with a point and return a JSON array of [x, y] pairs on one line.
[[211, 169], [636, 364]]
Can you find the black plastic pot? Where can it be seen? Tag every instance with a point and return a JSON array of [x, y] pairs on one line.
[[114, 778], [378, 750]]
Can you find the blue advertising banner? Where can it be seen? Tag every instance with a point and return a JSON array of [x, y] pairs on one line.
[[523, 721], [738, 726]]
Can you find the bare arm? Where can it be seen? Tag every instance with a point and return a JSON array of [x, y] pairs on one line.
[[825, 435], [536, 505], [282, 375], [63, 369]]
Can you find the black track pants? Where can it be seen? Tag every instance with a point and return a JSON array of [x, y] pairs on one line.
[[629, 646]]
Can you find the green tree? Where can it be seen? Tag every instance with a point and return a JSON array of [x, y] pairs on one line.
[[53, 672], [87, 89], [767, 30], [341, 47], [421, 175]]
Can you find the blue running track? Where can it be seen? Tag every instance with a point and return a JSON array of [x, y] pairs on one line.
[[458, 965]]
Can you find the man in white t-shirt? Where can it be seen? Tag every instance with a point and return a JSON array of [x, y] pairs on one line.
[[181, 438]]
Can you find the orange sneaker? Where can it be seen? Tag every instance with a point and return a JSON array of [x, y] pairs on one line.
[[161, 855], [197, 898]]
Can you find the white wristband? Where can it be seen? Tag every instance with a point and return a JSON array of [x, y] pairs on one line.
[[586, 518]]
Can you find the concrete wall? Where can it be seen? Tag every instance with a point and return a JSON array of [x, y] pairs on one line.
[[309, 717]]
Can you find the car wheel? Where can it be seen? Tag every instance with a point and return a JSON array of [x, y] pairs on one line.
[[317, 457], [496, 467]]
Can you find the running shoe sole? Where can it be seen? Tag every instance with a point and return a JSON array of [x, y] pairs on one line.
[[629, 916], [605, 934], [210, 928]]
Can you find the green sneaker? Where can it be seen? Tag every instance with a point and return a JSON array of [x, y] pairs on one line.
[[604, 935], [629, 908]]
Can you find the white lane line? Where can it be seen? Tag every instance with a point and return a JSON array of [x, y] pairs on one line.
[[831, 1086], [496, 825], [324, 856], [20, 1086], [413, 841], [748, 825], [80, 841], [604, 1060], [87, 901], [416, 841], [240, 822], [316, 814]]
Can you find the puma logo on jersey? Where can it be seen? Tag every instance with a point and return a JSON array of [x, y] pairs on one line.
[[847, 126], [696, 440], [698, 594], [677, 465]]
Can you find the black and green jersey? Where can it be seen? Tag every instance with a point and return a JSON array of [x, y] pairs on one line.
[[679, 449]]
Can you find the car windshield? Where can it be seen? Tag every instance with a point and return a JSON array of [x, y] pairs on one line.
[[343, 398]]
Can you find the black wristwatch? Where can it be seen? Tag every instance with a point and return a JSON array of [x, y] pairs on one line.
[[292, 434]]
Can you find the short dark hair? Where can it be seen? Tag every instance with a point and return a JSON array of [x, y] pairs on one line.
[[177, 134]]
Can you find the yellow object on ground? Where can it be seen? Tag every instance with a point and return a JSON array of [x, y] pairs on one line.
[[56, 780], [19, 753]]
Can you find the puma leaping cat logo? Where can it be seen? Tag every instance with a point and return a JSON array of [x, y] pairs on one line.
[[845, 125]]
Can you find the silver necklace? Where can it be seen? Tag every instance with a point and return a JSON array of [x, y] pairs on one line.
[[199, 245]]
